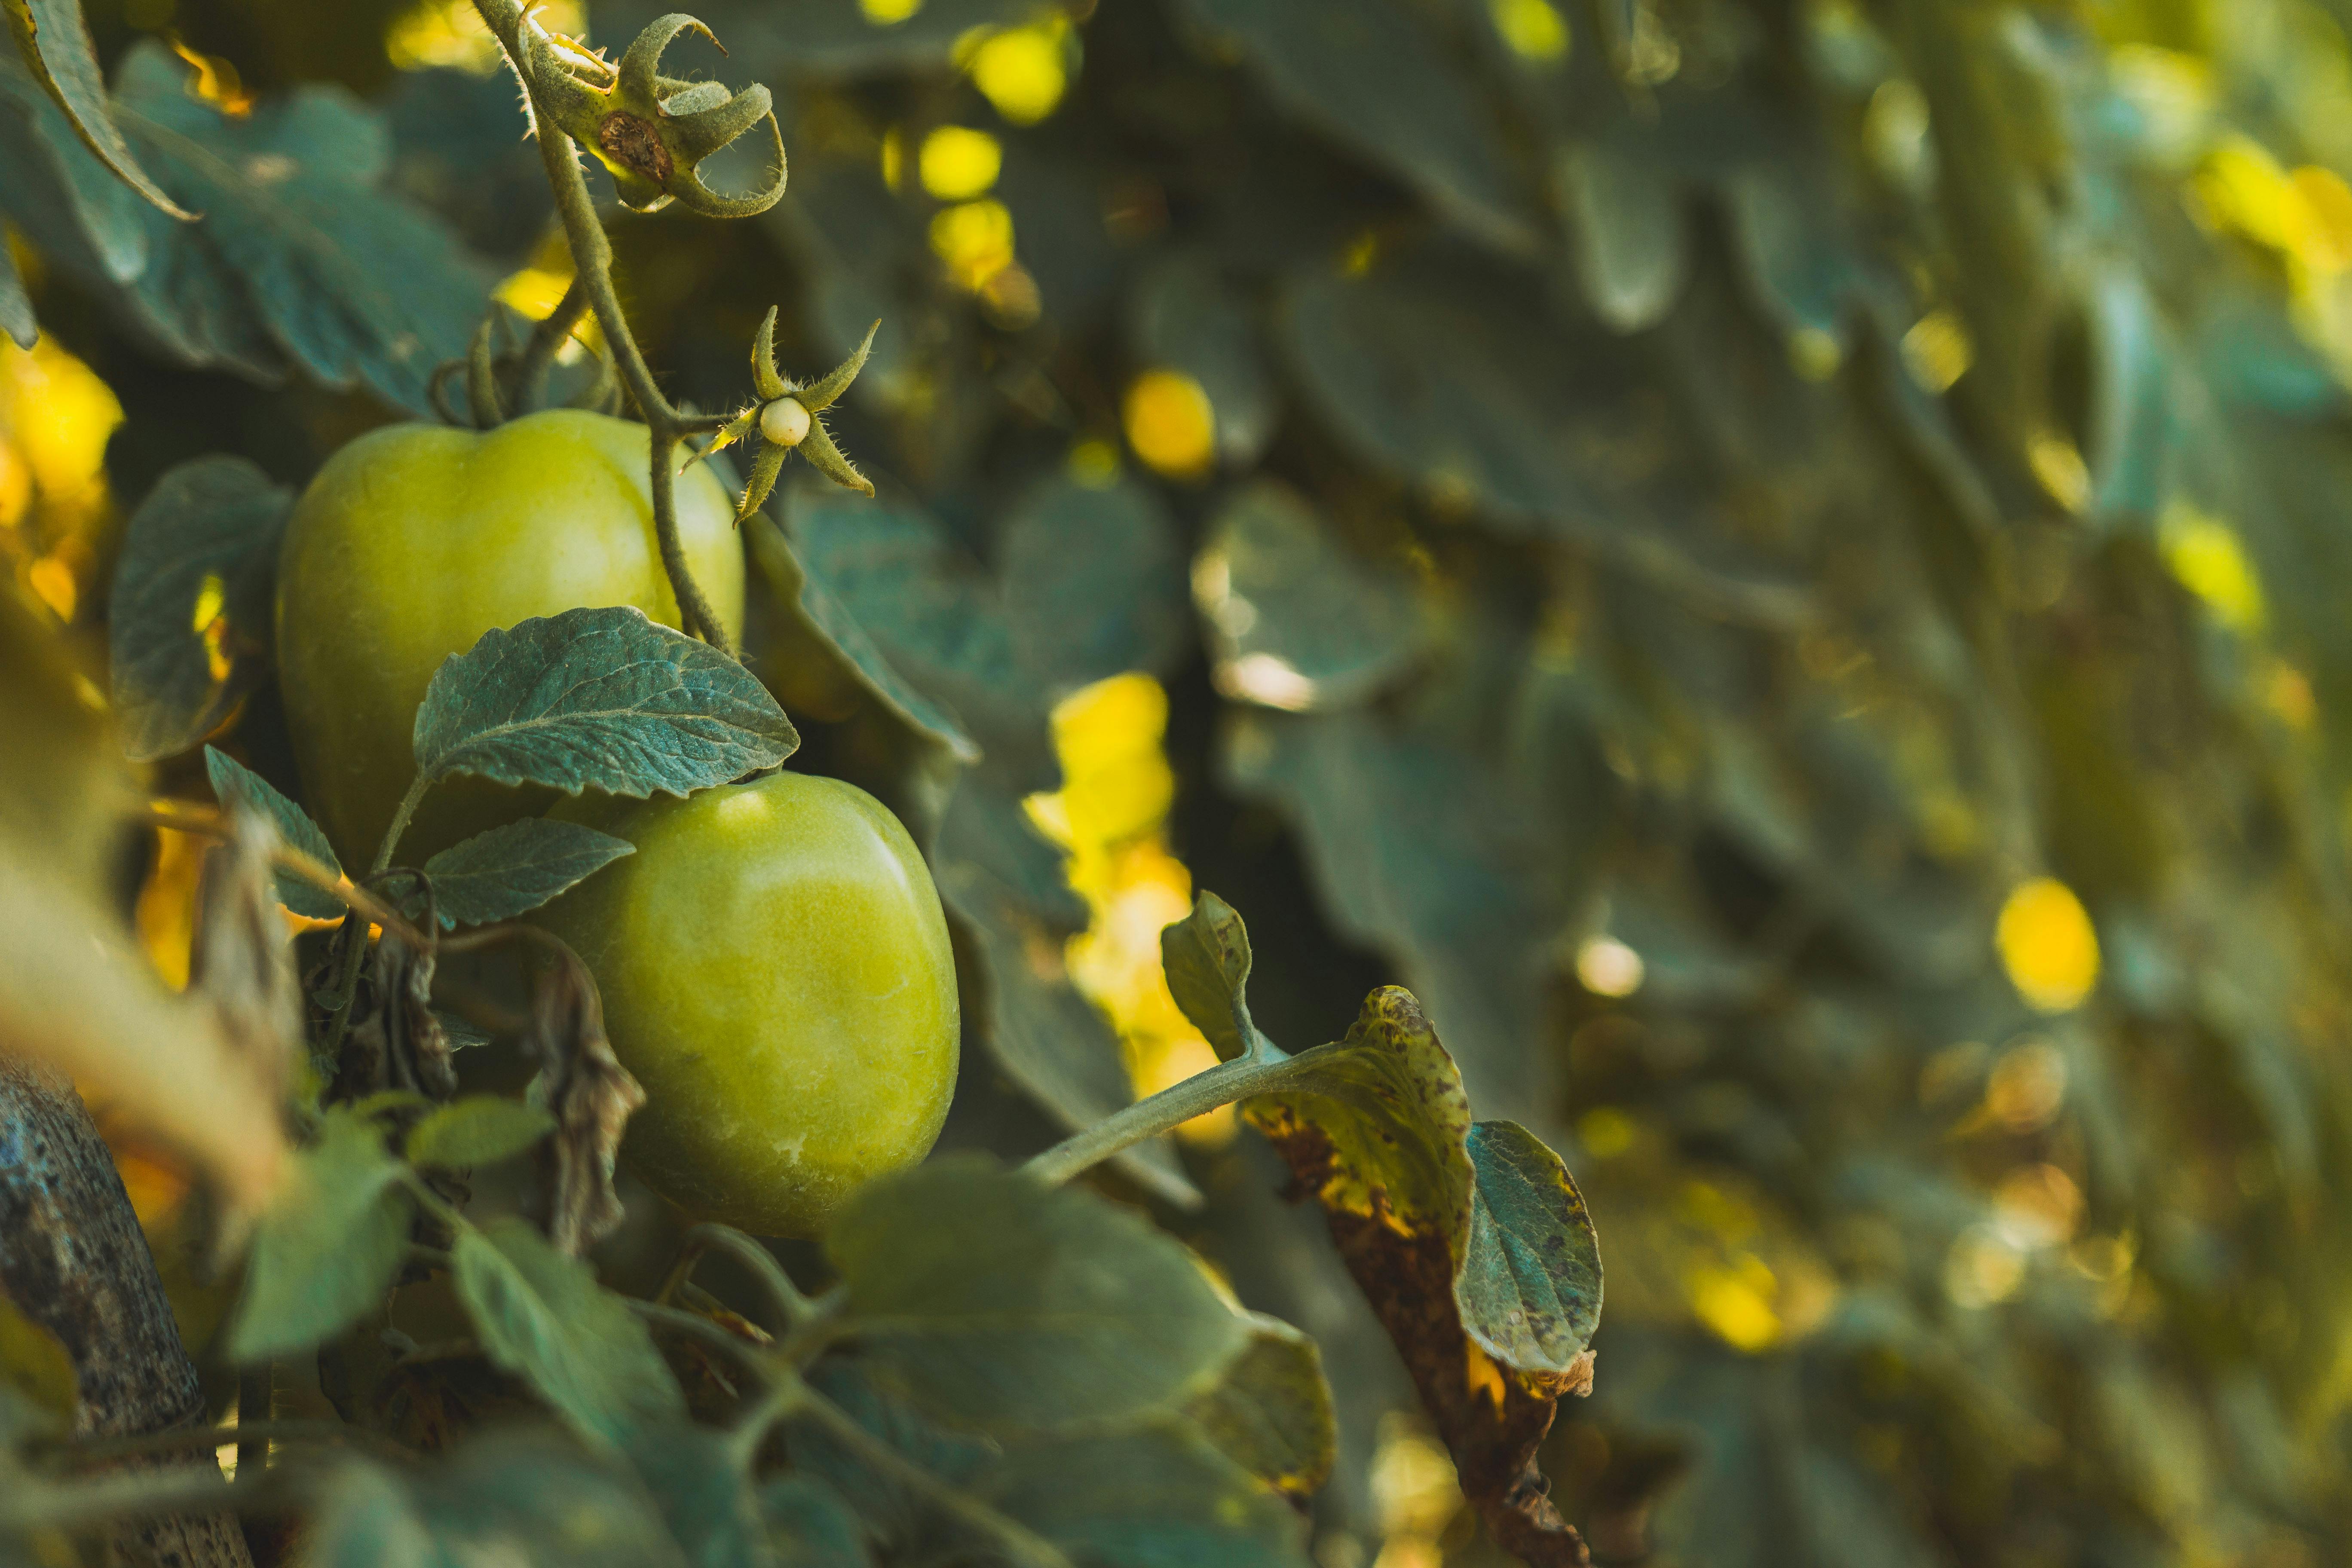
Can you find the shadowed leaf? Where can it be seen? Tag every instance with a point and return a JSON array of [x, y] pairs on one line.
[[1271, 1413], [1207, 958], [515, 867], [55, 46], [1158, 1496], [326, 1248], [479, 1130]]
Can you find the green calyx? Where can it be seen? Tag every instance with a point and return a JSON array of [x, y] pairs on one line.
[[814, 442], [650, 130]]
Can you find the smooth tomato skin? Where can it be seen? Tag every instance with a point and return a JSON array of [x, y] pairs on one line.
[[414, 539], [775, 971]]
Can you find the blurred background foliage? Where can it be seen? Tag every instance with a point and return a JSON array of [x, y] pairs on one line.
[[1779, 562]]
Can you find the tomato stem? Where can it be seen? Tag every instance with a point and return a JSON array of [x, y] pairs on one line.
[[1261, 1068]]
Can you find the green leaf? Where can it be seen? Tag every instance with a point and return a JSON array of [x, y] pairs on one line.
[[1298, 620], [1271, 1413], [823, 614], [1529, 1289], [515, 867], [479, 1130], [188, 629], [999, 1303], [543, 1315], [810, 1525], [705, 1494], [1093, 583], [598, 699], [1207, 958], [327, 1247], [523, 1498], [1156, 1497], [232, 780], [15, 305], [302, 266], [898, 1517], [55, 46], [1371, 73]]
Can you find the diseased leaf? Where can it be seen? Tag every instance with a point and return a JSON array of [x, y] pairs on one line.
[[55, 44], [302, 265], [479, 1130], [188, 629], [327, 1247], [231, 779], [1155, 1497], [515, 867], [591, 1095], [1271, 1413], [1207, 958], [1296, 620], [598, 699], [1093, 583], [542, 1315], [1373, 73], [1075, 1310], [1529, 1289]]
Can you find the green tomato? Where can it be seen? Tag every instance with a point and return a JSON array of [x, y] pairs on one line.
[[413, 541], [775, 971]]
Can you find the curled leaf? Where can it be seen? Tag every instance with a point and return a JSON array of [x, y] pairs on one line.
[[591, 1095], [396, 1040], [242, 961]]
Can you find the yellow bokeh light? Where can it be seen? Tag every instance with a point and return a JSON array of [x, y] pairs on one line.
[[165, 914], [59, 416], [1736, 1303], [1607, 967], [2047, 944], [1170, 423], [974, 240], [2205, 555], [889, 13], [1605, 1131], [2026, 1087], [448, 35], [1110, 818], [2058, 463], [958, 164], [1937, 350], [1022, 71], [1533, 29]]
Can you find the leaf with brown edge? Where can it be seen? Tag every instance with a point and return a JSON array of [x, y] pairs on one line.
[[1270, 1412], [1377, 1130], [591, 1095]]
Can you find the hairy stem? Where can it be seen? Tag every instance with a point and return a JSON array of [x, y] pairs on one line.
[[1262, 1070], [796, 1309], [547, 340]]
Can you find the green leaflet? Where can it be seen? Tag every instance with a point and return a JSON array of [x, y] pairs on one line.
[[1207, 958], [1529, 1289], [810, 1525], [327, 1247], [188, 627], [1271, 1413], [514, 868], [301, 264], [55, 44], [598, 699], [15, 305], [479, 1130], [543, 1315], [233, 780], [1076, 1312]]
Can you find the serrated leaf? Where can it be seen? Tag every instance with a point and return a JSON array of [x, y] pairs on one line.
[[188, 628], [1206, 956], [1373, 73], [328, 1246], [1271, 1412], [1529, 1289], [479, 1130], [1093, 583], [301, 264], [55, 44], [515, 867], [1157, 1497], [996, 1302], [230, 779], [542, 1315], [598, 699]]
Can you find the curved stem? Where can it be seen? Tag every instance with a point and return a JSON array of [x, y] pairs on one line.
[[1255, 1073], [797, 1309], [547, 340], [693, 608]]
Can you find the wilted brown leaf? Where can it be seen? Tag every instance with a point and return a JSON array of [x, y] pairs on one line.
[[591, 1095]]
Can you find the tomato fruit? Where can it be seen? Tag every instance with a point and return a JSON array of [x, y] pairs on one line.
[[776, 972], [413, 541]]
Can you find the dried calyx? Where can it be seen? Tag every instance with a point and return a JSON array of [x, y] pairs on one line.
[[651, 131]]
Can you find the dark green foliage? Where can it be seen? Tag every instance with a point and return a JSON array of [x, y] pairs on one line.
[[232, 781], [513, 869], [325, 1254]]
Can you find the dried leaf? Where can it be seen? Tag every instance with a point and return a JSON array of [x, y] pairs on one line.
[[243, 958], [591, 1095]]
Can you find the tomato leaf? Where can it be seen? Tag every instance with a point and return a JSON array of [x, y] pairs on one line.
[[598, 699], [188, 630], [55, 45], [328, 1244], [15, 305], [1271, 1412], [515, 867], [303, 266], [233, 780], [479, 1130], [1093, 583], [543, 1315], [1529, 1289], [703, 1489], [1207, 958], [1074, 1310], [1160, 1494]]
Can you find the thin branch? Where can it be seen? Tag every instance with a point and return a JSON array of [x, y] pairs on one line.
[[548, 338], [1265, 1069]]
